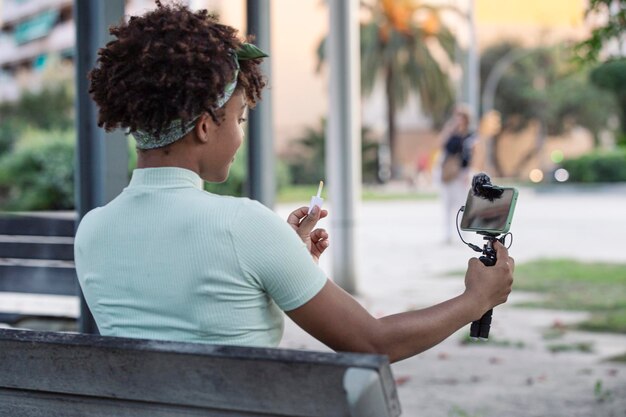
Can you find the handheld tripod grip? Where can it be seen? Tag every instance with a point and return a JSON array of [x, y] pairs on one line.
[[480, 328]]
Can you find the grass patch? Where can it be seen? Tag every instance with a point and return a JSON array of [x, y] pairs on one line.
[[297, 193], [303, 193], [467, 340], [619, 358], [381, 195], [600, 393], [584, 347], [457, 411], [599, 288], [553, 333]]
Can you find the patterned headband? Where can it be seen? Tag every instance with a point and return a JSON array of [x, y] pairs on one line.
[[176, 129]]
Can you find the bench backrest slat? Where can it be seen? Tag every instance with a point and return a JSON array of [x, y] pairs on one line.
[[242, 381], [37, 250], [44, 225], [38, 280], [37, 254]]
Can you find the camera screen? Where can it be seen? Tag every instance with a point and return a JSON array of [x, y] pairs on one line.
[[482, 214]]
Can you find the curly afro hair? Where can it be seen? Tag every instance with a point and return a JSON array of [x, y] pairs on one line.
[[171, 63]]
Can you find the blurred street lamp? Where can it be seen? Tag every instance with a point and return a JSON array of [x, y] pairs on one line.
[[536, 175], [561, 175]]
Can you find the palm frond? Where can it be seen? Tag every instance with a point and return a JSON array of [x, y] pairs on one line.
[[321, 54], [371, 64], [447, 40]]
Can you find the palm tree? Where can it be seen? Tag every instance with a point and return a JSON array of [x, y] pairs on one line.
[[396, 46]]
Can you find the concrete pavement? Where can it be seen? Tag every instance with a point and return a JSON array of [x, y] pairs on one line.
[[403, 265]]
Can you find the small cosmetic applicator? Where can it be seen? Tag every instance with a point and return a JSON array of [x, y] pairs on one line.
[[317, 200]]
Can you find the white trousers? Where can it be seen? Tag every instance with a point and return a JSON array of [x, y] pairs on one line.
[[453, 194]]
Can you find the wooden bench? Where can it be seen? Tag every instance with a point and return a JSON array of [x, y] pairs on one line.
[[61, 374], [37, 257]]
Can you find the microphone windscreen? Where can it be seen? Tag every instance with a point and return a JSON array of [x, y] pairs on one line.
[[482, 187]]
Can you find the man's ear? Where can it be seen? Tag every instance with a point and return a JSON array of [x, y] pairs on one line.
[[205, 127]]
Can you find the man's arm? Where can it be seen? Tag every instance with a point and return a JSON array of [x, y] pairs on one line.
[[340, 322]]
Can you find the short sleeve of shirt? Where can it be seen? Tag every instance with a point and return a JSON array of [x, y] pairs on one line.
[[272, 255]]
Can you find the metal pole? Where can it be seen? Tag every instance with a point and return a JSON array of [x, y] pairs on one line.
[[343, 138], [115, 144], [101, 158], [473, 66], [458, 83], [261, 183]]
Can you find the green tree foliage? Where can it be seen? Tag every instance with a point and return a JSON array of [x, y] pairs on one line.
[[598, 167], [37, 143], [39, 173], [9, 133], [569, 101], [306, 162], [394, 49], [611, 76], [544, 85], [49, 109], [613, 29]]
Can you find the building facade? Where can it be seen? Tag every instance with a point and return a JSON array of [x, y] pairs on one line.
[[31, 32], [34, 34]]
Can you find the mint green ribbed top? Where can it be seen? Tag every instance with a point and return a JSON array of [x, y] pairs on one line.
[[167, 260]]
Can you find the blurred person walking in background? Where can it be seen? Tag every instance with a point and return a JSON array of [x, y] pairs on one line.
[[456, 142]]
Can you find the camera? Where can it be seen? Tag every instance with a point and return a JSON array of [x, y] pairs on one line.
[[488, 211], [489, 217]]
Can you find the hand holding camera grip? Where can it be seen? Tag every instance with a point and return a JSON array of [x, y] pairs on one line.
[[480, 328]]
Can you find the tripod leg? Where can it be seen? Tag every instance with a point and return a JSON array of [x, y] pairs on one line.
[[480, 328]]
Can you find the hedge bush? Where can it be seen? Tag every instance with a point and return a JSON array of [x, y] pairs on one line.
[[600, 166], [38, 174], [10, 131], [37, 171]]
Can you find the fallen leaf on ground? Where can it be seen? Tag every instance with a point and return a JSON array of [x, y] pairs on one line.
[[401, 380]]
